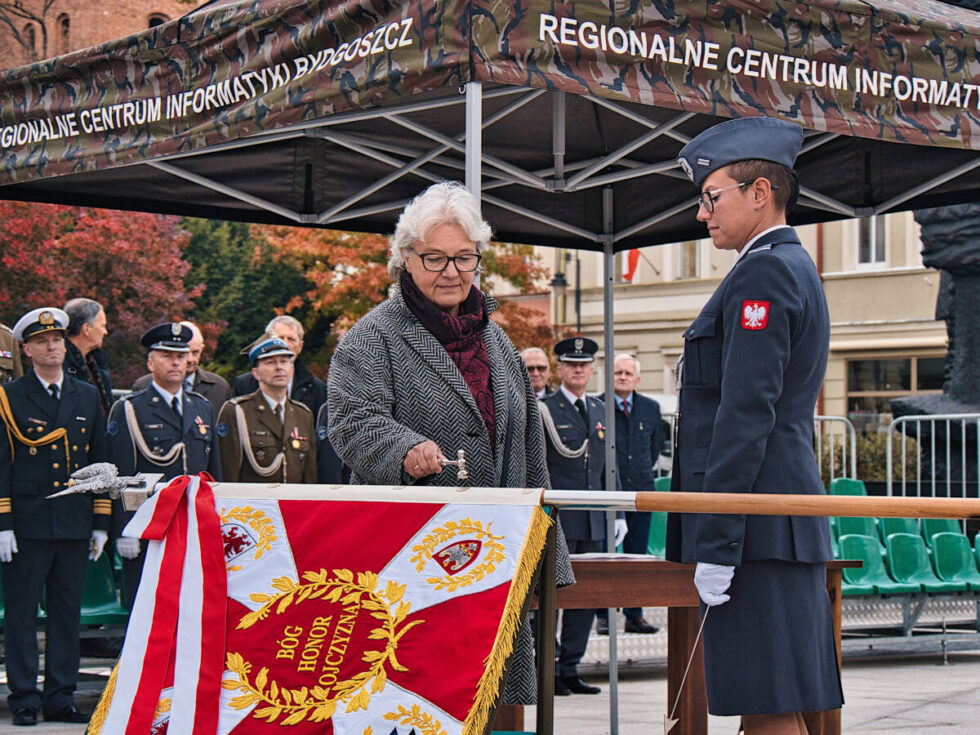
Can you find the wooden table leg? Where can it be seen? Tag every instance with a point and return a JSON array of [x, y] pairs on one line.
[[692, 710]]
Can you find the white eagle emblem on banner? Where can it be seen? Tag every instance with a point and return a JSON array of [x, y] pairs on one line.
[[755, 314]]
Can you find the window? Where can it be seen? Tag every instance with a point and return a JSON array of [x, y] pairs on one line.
[[873, 382], [30, 40], [157, 19], [871, 240], [688, 259], [64, 33]]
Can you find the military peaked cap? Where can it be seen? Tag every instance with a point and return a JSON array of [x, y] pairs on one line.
[[576, 349], [169, 336]]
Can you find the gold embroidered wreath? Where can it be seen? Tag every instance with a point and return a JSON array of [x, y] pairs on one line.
[[316, 704], [449, 531], [259, 522]]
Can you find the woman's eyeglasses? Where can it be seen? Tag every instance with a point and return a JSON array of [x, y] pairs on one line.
[[437, 263]]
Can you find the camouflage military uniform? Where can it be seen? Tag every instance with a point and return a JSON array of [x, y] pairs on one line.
[[10, 365], [252, 440]]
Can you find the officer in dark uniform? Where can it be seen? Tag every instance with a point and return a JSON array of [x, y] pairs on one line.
[[162, 428], [10, 363], [53, 427], [265, 436], [753, 364], [574, 429], [639, 439]]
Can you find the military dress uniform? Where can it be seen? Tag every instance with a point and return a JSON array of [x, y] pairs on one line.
[[10, 363], [46, 439], [257, 446], [576, 457], [145, 434], [210, 385], [753, 365]]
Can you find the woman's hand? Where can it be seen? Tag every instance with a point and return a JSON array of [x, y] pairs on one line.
[[423, 460]]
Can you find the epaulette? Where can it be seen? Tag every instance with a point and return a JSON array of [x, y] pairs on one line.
[[238, 399], [301, 405], [763, 249], [5, 328]]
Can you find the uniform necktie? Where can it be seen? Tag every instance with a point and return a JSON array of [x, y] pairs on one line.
[[580, 405], [53, 389], [175, 405], [279, 412]]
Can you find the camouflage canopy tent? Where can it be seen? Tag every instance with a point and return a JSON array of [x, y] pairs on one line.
[[335, 113]]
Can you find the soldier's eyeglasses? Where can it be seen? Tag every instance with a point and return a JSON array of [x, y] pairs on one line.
[[707, 199], [436, 263]]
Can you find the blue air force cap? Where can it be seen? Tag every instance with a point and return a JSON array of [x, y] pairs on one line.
[[40, 320], [741, 139], [576, 349], [269, 347], [169, 337]]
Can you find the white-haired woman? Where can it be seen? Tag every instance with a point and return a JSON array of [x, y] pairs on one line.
[[427, 373]]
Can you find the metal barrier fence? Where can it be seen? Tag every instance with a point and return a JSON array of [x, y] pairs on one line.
[[839, 432], [947, 425]]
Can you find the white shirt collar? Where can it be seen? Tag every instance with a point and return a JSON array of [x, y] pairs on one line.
[[271, 401], [751, 242], [47, 386], [168, 396], [541, 393], [571, 396]]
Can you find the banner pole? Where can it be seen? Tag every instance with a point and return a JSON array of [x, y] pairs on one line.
[[546, 636]]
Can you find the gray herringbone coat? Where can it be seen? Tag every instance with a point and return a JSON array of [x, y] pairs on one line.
[[392, 386]]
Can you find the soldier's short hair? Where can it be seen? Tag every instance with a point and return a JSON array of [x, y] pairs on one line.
[[290, 321], [446, 203], [785, 182], [81, 311]]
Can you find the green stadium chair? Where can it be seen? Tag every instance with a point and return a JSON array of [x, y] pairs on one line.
[[872, 572], [100, 599], [860, 526], [888, 526], [908, 560], [953, 559], [657, 543], [847, 486], [662, 484], [932, 526]]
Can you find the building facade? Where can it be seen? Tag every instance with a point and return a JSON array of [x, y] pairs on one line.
[[30, 32]]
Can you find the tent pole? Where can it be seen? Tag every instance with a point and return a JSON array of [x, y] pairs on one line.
[[609, 349], [474, 137]]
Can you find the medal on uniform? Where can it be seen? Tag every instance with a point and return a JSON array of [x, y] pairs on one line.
[[600, 430], [296, 444], [201, 426], [296, 438], [32, 450]]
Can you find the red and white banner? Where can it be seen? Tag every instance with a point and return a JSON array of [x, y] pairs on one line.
[[360, 618]]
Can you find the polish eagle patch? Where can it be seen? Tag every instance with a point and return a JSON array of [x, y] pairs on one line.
[[755, 314]]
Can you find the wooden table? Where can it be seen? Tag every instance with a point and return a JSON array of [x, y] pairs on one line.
[[632, 581]]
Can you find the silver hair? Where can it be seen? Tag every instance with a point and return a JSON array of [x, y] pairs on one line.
[[529, 350], [193, 327], [81, 311], [284, 319], [628, 356], [448, 202]]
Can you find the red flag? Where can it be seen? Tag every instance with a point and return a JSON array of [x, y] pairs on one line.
[[631, 262], [337, 616]]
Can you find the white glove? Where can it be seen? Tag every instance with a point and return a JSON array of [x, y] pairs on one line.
[[8, 546], [620, 530], [97, 544], [128, 548], [712, 580]]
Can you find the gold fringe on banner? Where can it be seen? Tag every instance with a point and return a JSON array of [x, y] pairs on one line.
[[487, 691], [102, 710], [14, 432]]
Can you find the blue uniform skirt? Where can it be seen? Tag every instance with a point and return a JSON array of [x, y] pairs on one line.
[[770, 648]]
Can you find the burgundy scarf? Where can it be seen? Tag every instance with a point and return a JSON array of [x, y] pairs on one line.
[[462, 338]]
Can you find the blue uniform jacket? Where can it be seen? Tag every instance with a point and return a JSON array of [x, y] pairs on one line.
[[162, 429], [330, 470], [754, 362], [582, 473], [639, 440], [32, 473]]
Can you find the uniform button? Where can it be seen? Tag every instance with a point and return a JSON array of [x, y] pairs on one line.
[[733, 545], [74, 447], [76, 465], [56, 466], [54, 447], [86, 447], [83, 429], [57, 484]]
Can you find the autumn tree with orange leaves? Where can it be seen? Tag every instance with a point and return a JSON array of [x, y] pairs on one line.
[[349, 275]]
